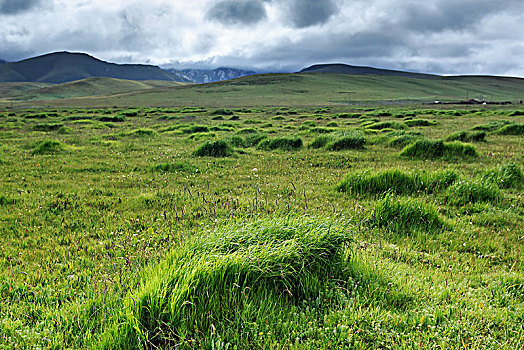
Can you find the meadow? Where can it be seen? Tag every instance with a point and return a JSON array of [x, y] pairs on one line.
[[322, 227]]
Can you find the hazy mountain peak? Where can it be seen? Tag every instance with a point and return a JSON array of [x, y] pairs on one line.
[[339, 68]]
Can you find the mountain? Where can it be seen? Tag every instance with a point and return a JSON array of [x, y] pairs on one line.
[[202, 76], [2, 61], [60, 67], [362, 70]]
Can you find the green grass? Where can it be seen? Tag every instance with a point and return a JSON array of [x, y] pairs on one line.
[[281, 143], [217, 149], [97, 230], [467, 136], [405, 215], [433, 149], [511, 129], [396, 181]]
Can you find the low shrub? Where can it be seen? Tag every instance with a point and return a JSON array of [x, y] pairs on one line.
[[465, 192], [405, 215], [467, 136], [507, 175], [217, 149], [282, 143]]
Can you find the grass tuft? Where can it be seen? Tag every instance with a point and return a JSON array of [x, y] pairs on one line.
[[511, 129], [432, 149], [281, 143], [48, 147], [217, 149], [507, 175], [467, 136], [469, 192]]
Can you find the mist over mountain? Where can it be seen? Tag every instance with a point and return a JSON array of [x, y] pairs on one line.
[[60, 67], [202, 76]]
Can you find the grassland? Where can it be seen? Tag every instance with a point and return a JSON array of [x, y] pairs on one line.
[[269, 90], [198, 227]]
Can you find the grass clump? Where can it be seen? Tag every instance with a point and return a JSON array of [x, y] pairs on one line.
[[432, 149], [216, 149], [469, 192], [141, 132], [396, 181], [387, 125], [48, 147], [222, 112], [320, 141], [282, 143], [492, 126], [112, 118], [419, 122], [195, 129], [175, 167], [5, 200], [405, 215], [467, 136], [236, 276], [345, 142], [48, 126], [507, 175], [511, 129], [252, 140], [402, 139]]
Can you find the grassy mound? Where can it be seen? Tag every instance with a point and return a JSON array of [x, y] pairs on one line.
[[466, 192], [511, 129], [387, 125], [506, 176], [404, 215], [432, 149], [419, 122], [467, 136], [48, 147], [492, 126], [347, 141], [216, 286], [396, 181], [47, 126], [112, 118], [282, 143], [141, 132], [195, 129], [320, 141], [217, 149]]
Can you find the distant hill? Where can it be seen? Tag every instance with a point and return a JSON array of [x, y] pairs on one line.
[[2, 61], [361, 70], [63, 67], [202, 76], [79, 88]]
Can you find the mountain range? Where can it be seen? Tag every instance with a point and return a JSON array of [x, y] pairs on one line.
[[362, 70], [2, 61], [203, 76]]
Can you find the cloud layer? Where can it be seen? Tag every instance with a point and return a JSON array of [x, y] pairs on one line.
[[435, 36]]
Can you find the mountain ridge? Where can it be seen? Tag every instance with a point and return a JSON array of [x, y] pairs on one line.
[[341, 68], [61, 67], [204, 76]]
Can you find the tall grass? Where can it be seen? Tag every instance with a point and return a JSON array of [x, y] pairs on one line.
[[467, 136], [396, 181], [432, 149], [405, 215], [511, 129], [469, 192], [282, 143], [220, 284], [216, 149], [506, 175], [48, 147]]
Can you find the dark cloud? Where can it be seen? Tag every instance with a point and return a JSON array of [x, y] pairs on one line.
[[238, 12], [307, 13], [453, 15], [12, 7]]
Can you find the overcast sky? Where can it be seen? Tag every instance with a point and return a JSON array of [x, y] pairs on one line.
[[434, 36]]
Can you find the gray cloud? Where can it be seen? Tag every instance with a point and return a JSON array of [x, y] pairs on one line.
[[307, 13], [238, 12], [12, 7]]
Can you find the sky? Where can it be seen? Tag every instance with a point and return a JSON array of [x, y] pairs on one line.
[[434, 36]]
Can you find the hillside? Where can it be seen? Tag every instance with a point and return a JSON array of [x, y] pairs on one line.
[[203, 76], [2, 61], [309, 89], [63, 67], [79, 88], [361, 70]]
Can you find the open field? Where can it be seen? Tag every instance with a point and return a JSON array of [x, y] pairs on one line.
[[268, 90], [264, 227]]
